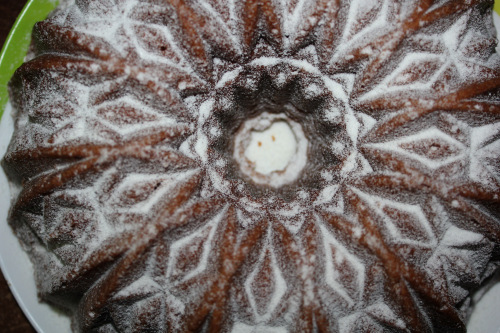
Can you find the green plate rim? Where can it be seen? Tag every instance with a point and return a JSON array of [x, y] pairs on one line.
[[17, 43]]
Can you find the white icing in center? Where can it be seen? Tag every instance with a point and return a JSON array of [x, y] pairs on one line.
[[272, 149]]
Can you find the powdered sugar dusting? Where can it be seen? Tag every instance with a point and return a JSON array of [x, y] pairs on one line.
[[127, 151]]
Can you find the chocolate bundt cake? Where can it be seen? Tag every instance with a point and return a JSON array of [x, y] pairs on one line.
[[260, 165]]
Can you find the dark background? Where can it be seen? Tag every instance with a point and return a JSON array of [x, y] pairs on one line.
[[12, 319]]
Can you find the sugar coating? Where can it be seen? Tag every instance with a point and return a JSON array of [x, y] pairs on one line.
[[137, 216]]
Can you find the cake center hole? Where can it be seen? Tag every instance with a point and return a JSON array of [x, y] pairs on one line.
[[271, 149]]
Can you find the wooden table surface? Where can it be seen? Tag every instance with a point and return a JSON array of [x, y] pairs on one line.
[[12, 319]]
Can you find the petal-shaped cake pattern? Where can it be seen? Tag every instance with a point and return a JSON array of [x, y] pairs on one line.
[[141, 210]]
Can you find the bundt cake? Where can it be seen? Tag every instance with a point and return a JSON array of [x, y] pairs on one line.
[[260, 165]]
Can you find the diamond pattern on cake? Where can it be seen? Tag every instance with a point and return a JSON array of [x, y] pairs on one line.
[[416, 71], [408, 223], [344, 272], [124, 113], [139, 193], [191, 254], [265, 285], [431, 147], [157, 43], [405, 222]]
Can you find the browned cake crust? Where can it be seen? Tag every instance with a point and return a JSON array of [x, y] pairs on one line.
[[142, 212]]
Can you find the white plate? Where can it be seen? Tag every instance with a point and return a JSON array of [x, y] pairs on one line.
[[18, 270]]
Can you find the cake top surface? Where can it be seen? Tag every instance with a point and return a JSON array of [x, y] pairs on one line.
[[143, 193]]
